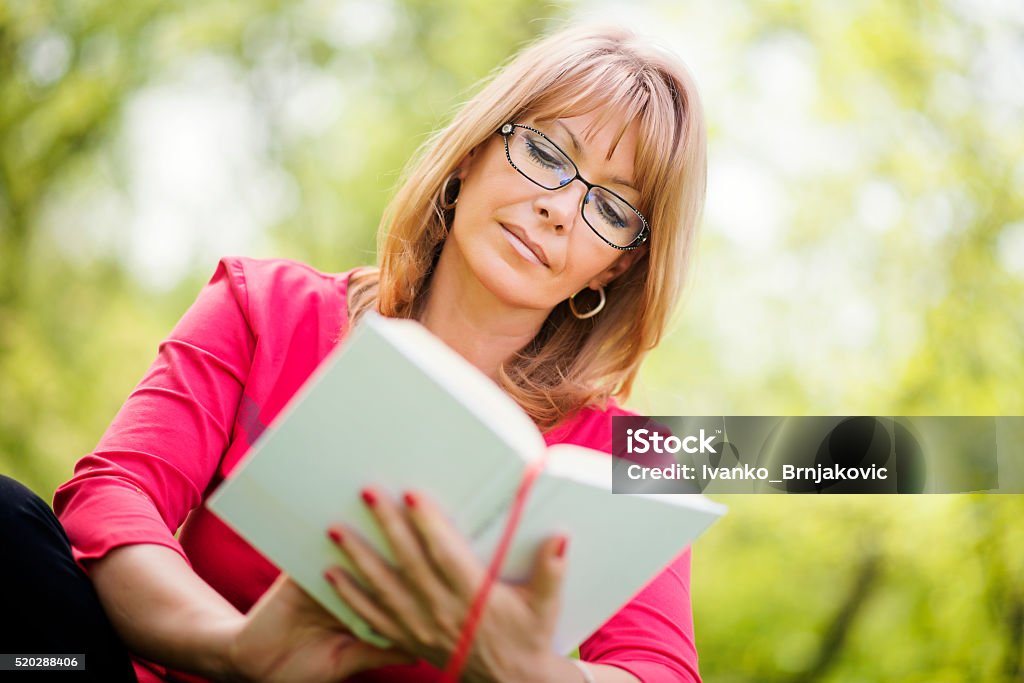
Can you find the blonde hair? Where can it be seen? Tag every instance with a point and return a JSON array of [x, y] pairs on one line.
[[571, 363]]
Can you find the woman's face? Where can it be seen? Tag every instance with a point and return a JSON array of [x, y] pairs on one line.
[[529, 246]]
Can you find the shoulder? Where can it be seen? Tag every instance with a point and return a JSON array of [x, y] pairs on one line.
[[282, 291], [591, 426], [280, 277]]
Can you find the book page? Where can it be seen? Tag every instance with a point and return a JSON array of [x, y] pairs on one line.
[[617, 543], [474, 390]]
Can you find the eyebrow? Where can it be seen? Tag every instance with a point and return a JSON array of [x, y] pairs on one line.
[[617, 180]]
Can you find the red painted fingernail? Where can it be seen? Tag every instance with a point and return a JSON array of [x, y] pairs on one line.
[[369, 497], [329, 576], [563, 542], [410, 500], [335, 535]]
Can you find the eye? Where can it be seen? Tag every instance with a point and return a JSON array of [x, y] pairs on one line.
[[610, 211], [543, 154]]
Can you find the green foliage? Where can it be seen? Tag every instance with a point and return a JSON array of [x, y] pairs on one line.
[[771, 581]]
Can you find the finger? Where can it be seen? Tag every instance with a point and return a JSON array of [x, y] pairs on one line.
[[545, 584], [446, 547], [383, 588], [375, 576], [356, 598], [373, 571], [411, 559]]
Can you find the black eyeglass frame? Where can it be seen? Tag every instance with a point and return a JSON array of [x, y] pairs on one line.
[[509, 129]]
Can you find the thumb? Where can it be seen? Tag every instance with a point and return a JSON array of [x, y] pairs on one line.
[[549, 567], [360, 656]]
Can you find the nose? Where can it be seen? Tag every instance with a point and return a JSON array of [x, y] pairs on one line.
[[560, 208]]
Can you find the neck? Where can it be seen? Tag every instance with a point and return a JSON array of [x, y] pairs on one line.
[[471, 320]]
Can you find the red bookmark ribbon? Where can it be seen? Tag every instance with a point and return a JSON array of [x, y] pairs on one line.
[[458, 659]]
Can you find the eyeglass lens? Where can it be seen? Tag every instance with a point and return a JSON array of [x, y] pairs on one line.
[[541, 161]]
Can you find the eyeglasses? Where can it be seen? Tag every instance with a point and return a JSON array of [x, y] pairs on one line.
[[543, 163]]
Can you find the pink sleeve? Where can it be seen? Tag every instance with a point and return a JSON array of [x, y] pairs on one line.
[[652, 636], [154, 462]]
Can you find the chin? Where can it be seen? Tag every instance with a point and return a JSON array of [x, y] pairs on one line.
[[513, 286], [510, 279]]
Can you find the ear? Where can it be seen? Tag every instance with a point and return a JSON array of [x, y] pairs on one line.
[[620, 266], [463, 168]]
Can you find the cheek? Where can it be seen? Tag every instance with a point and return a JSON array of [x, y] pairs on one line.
[[494, 186], [588, 256], [478, 199]]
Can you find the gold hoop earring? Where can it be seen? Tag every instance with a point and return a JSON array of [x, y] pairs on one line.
[[445, 204], [593, 311]]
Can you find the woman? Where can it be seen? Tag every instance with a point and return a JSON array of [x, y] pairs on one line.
[[580, 166]]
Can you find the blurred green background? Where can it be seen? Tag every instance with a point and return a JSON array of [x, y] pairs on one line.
[[862, 253]]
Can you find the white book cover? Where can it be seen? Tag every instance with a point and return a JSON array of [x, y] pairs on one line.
[[394, 408]]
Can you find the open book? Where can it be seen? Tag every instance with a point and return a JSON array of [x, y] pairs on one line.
[[393, 407]]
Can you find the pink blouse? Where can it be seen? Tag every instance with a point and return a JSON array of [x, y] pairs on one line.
[[252, 337]]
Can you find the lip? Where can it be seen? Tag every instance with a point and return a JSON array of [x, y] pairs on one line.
[[521, 235]]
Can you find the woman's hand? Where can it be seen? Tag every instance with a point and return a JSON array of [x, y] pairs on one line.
[[421, 603], [287, 636]]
